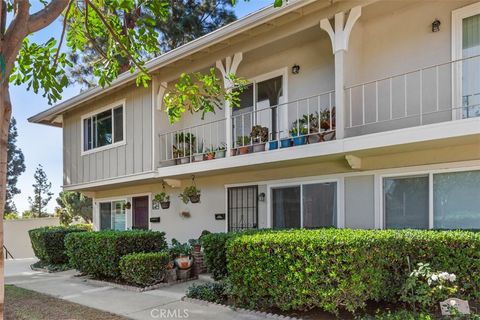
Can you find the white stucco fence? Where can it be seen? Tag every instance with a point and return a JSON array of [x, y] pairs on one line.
[[16, 238]]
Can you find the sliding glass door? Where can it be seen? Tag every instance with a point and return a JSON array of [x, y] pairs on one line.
[[112, 215], [312, 205]]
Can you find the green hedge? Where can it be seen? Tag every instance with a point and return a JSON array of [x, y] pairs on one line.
[[214, 248], [144, 269], [99, 253], [48, 243], [329, 268]]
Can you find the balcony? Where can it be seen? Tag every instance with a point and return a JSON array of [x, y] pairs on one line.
[[265, 129], [432, 103]]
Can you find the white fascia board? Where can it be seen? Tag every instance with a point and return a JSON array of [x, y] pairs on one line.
[[250, 21]]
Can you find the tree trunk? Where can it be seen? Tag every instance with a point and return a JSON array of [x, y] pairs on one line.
[[5, 116]]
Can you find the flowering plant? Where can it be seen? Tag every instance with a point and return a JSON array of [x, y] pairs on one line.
[[425, 288]]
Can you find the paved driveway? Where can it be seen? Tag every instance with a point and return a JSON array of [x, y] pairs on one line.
[[162, 303]]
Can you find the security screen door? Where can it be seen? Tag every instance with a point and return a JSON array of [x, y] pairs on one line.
[[242, 208]]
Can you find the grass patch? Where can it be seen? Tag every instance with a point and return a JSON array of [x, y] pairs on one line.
[[23, 304]]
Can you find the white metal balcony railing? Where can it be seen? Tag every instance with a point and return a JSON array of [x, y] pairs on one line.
[[439, 93], [293, 123]]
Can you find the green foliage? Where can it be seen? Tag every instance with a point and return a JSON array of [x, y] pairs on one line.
[[190, 191], [211, 291], [10, 216], [48, 243], [399, 315], [425, 288], [15, 167], [162, 197], [144, 269], [203, 93], [177, 249], [330, 268], [214, 248], [259, 134], [98, 253], [183, 22], [41, 191], [243, 140], [73, 205]]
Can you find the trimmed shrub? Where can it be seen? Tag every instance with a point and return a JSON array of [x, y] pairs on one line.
[[144, 269], [331, 269], [212, 291], [214, 248], [98, 253], [48, 243]]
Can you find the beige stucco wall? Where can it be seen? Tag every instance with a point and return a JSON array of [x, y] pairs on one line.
[[16, 237]]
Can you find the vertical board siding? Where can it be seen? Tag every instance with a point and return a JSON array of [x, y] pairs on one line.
[[131, 158]]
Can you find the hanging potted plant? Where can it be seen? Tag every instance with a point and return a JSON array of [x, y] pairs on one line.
[[190, 193], [243, 142], [259, 136], [164, 199]]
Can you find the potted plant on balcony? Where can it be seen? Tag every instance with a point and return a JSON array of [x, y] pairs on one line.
[[184, 146], [314, 123], [164, 199], [210, 153], [299, 131], [190, 193], [243, 144], [198, 155], [220, 151], [259, 137]]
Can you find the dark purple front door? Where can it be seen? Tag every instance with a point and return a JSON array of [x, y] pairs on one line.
[[140, 213]]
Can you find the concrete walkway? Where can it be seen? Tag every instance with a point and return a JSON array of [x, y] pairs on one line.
[[162, 303]]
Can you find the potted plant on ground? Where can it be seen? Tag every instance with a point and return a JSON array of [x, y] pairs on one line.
[[180, 252], [220, 151], [195, 244], [259, 136], [243, 144], [164, 199], [190, 193]]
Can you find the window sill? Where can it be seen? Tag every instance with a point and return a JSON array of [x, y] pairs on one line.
[[110, 146]]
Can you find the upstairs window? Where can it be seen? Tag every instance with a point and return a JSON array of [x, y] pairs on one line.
[[104, 128]]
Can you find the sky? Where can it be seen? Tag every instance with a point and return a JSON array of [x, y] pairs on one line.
[[42, 144]]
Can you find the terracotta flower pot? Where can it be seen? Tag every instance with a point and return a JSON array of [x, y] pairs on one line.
[[197, 248], [210, 156], [243, 150]]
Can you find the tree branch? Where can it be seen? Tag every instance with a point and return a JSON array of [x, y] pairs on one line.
[[116, 37], [46, 16], [64, 28]]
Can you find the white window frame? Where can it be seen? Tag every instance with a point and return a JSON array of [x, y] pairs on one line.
[[128, 212], [430, 173], [457, 40], [110, 200], [300, 183], [111, 106]]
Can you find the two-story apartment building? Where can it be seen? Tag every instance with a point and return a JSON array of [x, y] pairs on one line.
[[368, 115]]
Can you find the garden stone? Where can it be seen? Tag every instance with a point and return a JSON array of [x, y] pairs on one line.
[[461, 306]]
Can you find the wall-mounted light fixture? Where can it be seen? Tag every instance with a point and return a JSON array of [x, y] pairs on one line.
[[128, 205], [436, 25], [296, 69], [261, 197]]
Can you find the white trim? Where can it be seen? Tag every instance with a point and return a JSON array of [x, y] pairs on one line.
[[109, 181], [457, 53], [110, 200], [110, 106]]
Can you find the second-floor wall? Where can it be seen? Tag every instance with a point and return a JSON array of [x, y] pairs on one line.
[[92, 152], [390, 38]]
